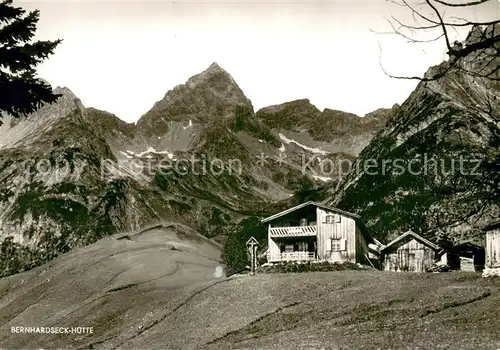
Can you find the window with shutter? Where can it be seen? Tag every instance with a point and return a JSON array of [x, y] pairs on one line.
[[336, 245], [339, 245], [332, 218]]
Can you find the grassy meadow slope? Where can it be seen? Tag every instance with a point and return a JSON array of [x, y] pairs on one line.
[[157, 289], [113, 285]]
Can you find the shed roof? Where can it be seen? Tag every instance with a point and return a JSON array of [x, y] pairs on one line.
[[410, 234], [492, 225]]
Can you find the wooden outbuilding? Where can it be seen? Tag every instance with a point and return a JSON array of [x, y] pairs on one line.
[[410, 252], [466, 257], [492, 266]]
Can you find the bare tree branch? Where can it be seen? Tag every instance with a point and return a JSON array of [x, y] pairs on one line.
[[410, 39], [434, 77], [437, 23], [472, 3], [443, 26], [485, 45]]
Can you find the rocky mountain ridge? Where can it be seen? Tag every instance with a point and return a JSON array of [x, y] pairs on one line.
[[335, 131]]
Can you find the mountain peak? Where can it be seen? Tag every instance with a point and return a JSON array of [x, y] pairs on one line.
[[213, 70], [214, 67], [65, 91], [210, 94]]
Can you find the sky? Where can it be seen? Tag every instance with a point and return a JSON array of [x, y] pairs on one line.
[[123, 56]]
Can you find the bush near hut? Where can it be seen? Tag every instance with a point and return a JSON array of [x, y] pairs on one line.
[[324, 266], [234, 253]]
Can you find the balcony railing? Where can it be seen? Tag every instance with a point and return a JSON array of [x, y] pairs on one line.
[[291, 256], [294, 231]]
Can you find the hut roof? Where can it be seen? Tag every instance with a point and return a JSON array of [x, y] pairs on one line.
[[407, 236], [492, 225]]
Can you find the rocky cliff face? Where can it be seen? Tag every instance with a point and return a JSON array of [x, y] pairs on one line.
[[54, 194], [70, 175], [335, 131], [435, 166]]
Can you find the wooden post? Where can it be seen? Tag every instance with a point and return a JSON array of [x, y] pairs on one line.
[[254, 259], [252, 246]]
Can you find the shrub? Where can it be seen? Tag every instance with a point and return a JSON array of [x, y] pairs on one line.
[[324, 266], [234, 253]]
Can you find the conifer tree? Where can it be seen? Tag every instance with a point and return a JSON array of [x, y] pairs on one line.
[[21, 92], [234, 253]]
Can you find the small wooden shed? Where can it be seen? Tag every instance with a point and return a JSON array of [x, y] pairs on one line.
[[409, 252], [492, 266], [470, 257]]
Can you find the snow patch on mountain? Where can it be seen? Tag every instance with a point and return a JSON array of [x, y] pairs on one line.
[[126, 155], [321, 178], [148, 152], [315, 150]]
